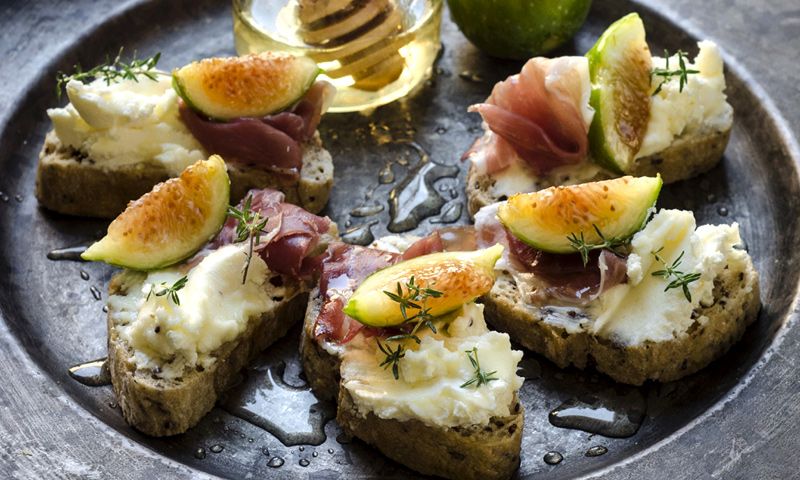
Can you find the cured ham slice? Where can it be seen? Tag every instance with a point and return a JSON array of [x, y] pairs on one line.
[[565, 277], [540, 115], [547, 276], [343, 269], [290, 236], [270, 143]]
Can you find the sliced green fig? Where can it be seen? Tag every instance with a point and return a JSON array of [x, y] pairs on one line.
[[171, 222], [248, 86], [619, 67], [461, 277], [550, 218]]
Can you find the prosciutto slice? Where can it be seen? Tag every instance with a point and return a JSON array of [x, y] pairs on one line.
[[539, 114], [343, 269], [291, 234], [271, 143], [565, 277], [560, 277]]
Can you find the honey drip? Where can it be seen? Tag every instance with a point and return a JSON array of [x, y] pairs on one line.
[[364, 36]]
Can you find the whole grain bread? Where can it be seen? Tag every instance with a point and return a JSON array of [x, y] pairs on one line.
[[161, 407], [688, 156], [736, 294], [473, 452], [69, 182], [321, 368]]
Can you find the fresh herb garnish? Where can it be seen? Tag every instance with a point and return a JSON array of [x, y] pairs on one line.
[[171, 292], [580, 245], [250, 226], [666, 74], [392, 358], [481, 377], [112, 71], [415, 297], [681, 279]]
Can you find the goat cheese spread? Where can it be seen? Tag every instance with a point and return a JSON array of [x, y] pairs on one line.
[[126, 123], [431, 375]]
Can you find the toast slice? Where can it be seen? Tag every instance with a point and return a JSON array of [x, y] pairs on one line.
[[736, 306], [65, 177], [160, 407], [473, 452], [488, 450], [659, 306], [688, 156]]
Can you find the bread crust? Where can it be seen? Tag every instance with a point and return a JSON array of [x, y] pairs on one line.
[[736, 306], [69, 183], [474, 452], [160, 407], [321, 368], [688, 156]]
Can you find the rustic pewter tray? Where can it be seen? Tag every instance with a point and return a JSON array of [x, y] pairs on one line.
[[397, 168]]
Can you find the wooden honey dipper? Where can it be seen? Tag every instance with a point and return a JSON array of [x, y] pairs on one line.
[[361, 38]]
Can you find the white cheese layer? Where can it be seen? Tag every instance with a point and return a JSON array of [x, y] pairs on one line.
[[641, 309], [701, 105], [431, 374], [518, 177], [214, 308], [127, 123]]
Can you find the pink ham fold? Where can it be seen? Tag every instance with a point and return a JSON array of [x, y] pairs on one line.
[[560, 277], [291, 234], [271, 143], [344, 267], [537, 119]]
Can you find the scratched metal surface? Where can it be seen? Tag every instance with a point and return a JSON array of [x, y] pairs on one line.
[[736, 419]]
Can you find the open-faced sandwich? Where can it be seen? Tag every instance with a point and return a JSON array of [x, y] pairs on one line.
[[618, 110], [594, 275], [130, 126], [393, 335], [196, 303]]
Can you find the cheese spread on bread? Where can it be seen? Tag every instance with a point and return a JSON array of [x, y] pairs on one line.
[[431, 375], [701, 105], [519, 177], [215, 308], [642, 310], [126, 123]]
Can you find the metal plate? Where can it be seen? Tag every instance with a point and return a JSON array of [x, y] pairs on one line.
[[55, 317]]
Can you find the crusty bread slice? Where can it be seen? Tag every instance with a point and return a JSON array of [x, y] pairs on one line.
[[688, 156], [68, 182], [161, 407], [321, 368], [475, 452], [736, 306]]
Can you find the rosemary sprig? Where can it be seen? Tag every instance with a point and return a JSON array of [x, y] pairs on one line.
[[666, 74], [112, 70], [392, 358], [250, 226], [581, 246], [680, 279], [171, 292], [415, 297], [481, 377]]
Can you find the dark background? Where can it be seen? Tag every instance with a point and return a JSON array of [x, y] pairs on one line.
[[750, 433]]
